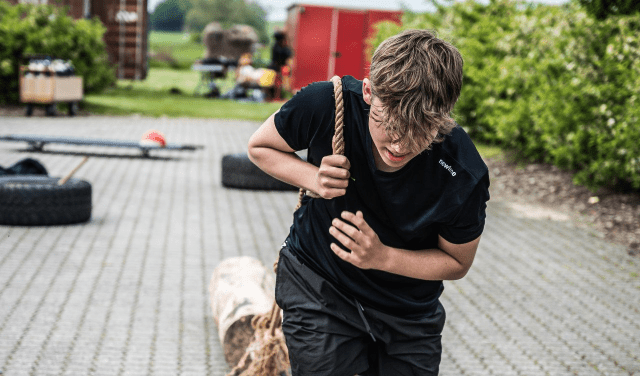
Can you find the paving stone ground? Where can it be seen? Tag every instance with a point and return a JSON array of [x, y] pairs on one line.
[[126, 293]]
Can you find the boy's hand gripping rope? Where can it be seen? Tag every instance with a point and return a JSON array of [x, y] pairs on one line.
[[268, 351], [338, 137]]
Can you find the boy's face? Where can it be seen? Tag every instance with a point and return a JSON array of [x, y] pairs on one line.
[[389, 156]]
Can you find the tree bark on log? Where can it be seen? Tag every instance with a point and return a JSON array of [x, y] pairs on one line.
[[240, 288]]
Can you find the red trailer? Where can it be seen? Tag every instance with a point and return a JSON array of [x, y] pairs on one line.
[[328, 41]]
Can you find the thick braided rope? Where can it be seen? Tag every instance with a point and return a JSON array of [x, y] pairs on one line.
[[338, 136]]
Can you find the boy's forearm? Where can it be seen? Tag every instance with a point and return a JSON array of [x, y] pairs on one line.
[[284, 166], [274, 156], [429, 264], [448, 261]]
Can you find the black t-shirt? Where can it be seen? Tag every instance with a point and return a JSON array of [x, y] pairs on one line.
[[442, 191]]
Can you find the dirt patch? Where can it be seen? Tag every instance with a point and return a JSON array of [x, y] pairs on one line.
[[613, 213]]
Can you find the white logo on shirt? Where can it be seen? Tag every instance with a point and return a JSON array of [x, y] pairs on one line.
[[447, 167]]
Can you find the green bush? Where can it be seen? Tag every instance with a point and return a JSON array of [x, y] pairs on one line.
[[29, 29], [602, 9], [587, 110], [548, 81]]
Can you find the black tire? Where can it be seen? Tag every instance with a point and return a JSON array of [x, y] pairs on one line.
[[239, 172], [39, 200]]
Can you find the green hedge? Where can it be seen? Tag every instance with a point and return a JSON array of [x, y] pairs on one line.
[[602, 9], [549, 81], [29, 29]]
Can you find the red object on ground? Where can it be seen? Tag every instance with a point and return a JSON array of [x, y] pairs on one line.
[[329, 41], [153, 137]]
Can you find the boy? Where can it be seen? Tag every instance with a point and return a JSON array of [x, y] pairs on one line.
[[361, 271]]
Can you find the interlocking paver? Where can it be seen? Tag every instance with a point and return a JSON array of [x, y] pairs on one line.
[[126, 293]]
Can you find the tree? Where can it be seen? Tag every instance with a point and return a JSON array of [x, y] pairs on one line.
[[602, 9], [227, 13], [170, 15]]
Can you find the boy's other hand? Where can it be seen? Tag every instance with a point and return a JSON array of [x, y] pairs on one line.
[[367, 251], [333, 175]]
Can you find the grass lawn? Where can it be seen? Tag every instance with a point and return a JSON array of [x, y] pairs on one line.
[[152, 97], [178, 46], [151, 103], [164, 79], [169, 91]]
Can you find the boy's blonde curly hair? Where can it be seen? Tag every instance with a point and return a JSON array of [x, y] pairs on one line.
[[417, 78]]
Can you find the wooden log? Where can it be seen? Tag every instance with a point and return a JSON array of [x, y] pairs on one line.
[[240, 288]]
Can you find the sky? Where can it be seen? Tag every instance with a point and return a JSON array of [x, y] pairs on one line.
[[277, 9]]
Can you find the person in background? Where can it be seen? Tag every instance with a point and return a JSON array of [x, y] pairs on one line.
[[249, 78], [280, 54]]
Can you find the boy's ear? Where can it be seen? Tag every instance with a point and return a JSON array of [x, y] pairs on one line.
[[366, 91]]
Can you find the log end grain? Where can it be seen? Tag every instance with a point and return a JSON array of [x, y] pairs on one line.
[[237, 339]]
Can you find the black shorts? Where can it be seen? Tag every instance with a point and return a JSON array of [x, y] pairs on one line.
[[329, 333]]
